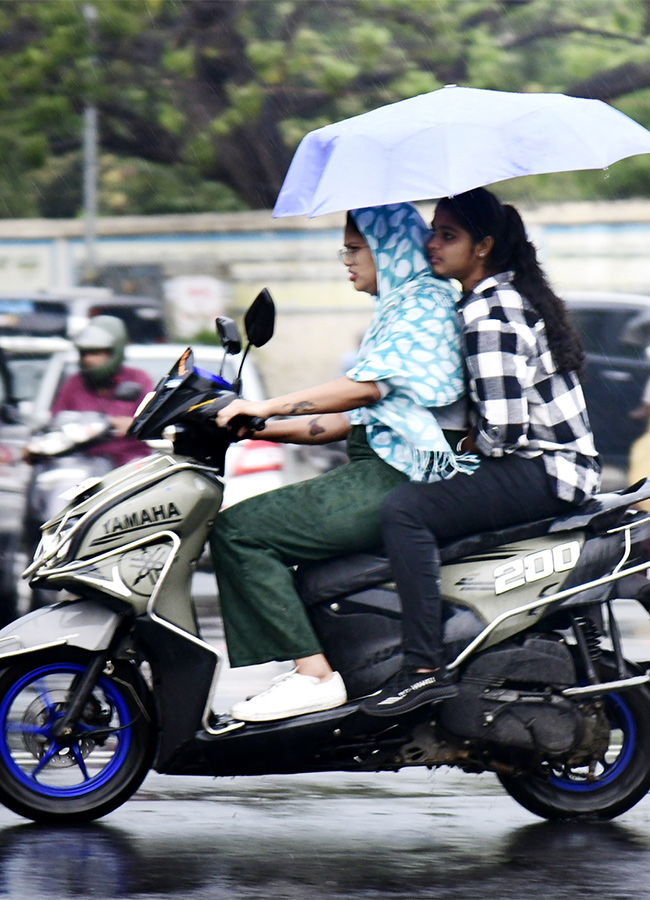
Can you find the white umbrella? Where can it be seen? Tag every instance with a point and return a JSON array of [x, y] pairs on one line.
[[449, 141]]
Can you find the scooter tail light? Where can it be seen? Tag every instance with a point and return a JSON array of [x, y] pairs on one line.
[[258, 456]]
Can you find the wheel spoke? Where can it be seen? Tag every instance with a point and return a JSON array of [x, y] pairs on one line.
[[27, 728], [80, 762], [41, 688], [49, 754]]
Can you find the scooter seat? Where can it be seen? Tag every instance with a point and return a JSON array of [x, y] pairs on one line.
[[330, 578], [603, 511]]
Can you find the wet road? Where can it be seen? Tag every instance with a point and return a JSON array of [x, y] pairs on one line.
[[408, 835], [412, 834]]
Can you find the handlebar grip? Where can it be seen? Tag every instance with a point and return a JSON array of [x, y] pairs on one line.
[[247, 424]]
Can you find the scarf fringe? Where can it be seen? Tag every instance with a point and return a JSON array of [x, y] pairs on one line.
[[440, 464]]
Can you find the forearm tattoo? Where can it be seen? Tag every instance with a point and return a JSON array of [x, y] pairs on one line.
[[299, 409], [315, 427]]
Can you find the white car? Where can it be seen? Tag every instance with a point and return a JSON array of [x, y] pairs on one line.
[[251, 466]]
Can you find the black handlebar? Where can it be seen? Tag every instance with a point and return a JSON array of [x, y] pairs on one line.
[[250, 423], [257, 423]]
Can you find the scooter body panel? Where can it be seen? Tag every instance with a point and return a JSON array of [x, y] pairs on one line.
[[86, 624], [134, 536], [502, 579]]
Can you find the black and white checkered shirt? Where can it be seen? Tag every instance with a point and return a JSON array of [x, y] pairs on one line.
[[522, 404]]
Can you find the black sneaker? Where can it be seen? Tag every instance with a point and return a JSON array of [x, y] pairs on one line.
[[408, 690]]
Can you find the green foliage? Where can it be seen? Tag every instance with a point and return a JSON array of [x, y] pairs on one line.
[[128, 184], [179, 62], [267, 58], [202, 102], [204, 336], [156, 189]]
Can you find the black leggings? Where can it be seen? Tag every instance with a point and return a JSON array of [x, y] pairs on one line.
[[506, 491]]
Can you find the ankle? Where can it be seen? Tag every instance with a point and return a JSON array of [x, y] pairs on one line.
[[315, 667]]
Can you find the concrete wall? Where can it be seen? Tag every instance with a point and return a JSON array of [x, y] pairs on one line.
[[591, 246]]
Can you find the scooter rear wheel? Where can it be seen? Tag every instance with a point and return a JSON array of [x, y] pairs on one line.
[[93, 771], [621, 777]]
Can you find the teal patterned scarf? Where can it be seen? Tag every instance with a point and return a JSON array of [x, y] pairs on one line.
[[412, 347]]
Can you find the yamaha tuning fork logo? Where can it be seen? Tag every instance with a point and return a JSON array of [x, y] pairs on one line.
[[140, 569]]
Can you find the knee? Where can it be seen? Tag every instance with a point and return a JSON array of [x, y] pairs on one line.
[[242, 525], [223, 531]]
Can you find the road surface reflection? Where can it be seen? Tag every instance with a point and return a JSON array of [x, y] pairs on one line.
[[409, 835]]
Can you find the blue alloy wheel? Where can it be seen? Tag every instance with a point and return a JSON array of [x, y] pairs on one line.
[[85, 774], [607, 784], [619, 755]]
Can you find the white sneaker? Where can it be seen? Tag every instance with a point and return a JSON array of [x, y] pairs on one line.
[[292, 694]]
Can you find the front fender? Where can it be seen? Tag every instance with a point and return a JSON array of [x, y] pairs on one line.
[[77, 623]]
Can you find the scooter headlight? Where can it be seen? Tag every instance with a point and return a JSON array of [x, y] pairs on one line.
[[52, 545], [46, 546]]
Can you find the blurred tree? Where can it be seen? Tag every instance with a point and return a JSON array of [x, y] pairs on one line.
[[202, 102]]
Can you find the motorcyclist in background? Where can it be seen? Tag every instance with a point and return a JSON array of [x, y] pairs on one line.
[[100, 386]]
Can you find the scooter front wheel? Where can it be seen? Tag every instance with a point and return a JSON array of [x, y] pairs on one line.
[[92, 771], [614, 784]]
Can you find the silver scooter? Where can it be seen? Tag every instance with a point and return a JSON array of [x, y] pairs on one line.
[[97, 690]]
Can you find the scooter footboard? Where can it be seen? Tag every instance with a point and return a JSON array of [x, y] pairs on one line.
[[77, 623]]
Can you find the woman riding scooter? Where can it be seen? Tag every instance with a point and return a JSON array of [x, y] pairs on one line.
[[409, 365]]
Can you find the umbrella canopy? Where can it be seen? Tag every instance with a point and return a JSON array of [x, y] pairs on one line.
[[449, 141]]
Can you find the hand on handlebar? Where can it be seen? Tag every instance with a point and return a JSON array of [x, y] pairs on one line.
[[249, 408], [245, 426], [243, 417]]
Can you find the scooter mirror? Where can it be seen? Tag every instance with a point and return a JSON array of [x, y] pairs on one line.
[[228, 335], [260, 319], [10, 414], [128, 390]]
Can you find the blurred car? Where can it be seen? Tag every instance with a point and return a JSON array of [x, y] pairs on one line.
[[14, 475], [615, 332], [64, 313], [27, 357]]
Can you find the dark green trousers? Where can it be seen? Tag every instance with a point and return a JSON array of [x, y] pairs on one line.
[[254, 544]]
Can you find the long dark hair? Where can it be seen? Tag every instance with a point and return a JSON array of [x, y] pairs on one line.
[[483, 215]]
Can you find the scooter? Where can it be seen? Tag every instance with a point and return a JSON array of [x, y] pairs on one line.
[[59, 463], [60, 459], [97, 690]]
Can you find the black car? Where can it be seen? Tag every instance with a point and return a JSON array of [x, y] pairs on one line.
[[14, 472], [615, 331]]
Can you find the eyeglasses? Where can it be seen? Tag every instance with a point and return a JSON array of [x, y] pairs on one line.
[[349, 253]]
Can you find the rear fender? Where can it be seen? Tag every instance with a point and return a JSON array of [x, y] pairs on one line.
[[77, 623]]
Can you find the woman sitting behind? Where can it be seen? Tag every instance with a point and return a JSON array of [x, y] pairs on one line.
[[530, 427]]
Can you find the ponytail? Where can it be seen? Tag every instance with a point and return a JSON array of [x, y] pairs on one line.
[[481, 214]]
